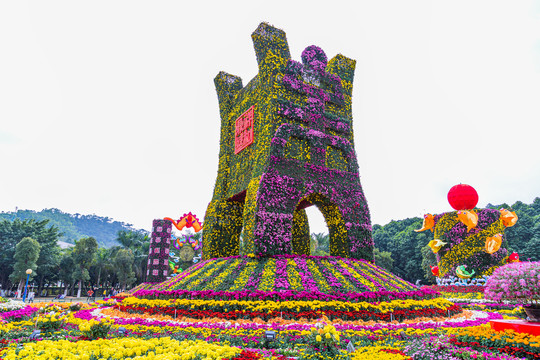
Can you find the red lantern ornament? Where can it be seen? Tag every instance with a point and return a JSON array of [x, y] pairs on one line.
[[462, 197]]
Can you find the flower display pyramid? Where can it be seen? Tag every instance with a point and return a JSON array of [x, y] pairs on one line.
[[286, 144]]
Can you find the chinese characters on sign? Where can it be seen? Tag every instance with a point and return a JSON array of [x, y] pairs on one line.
[[243, 133]]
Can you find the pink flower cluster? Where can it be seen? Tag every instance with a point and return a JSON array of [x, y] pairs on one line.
[[515, 282]]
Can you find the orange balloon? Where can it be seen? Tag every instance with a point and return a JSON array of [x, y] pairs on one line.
[[428, 224], [469, 218], [493, 243], [508, 218]]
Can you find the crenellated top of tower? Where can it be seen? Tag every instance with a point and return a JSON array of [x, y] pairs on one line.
[[314, 93], [268, 38], [315, 77]]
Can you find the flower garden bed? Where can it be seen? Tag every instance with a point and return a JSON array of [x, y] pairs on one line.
[[281, 273], [151, 336], [10, 305], [142, 286], [295, 286], [234, 309]]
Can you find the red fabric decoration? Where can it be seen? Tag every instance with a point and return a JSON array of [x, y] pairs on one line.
[[462, 197]]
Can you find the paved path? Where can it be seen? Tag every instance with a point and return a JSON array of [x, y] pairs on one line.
[[68, 299]]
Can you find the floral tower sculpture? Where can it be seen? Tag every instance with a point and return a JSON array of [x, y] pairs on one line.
[[286, 144], [158, 254], [469, 243]]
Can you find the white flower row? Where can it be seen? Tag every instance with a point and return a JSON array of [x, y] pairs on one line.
[[478, 301], [472, 301], [11, 305]]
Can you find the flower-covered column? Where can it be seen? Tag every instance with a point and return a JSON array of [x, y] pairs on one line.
[[467, 248], [158, 254], [300, 233]]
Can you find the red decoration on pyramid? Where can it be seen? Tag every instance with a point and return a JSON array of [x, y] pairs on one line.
[[462, 197]]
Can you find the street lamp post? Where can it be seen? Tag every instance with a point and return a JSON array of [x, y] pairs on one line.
[[28, 272]]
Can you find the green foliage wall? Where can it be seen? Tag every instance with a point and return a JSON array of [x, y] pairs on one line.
[[524, 237]]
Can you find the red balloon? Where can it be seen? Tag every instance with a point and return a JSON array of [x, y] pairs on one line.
[[462, 197]]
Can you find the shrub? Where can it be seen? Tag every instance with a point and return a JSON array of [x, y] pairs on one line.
[[516, 282], [323, 343], [95, 329], [50, 323]]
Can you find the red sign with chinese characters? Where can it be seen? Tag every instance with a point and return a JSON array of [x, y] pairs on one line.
[[243, 132]]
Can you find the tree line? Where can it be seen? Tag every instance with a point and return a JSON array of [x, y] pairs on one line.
[[33, 244]]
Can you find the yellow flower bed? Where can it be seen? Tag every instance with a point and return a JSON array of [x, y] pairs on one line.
[[120, 348], [376, 353], [293, 276], [346, 284], [207, 275], [359, 275], [87, 325], [62, 305], [396, 282], [15, 325], [243, 278], [268, 305], [457, 295], [268, 276], [224, 274], [322, 285], [173, 280]]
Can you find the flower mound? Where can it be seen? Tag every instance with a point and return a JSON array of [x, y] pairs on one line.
[[329, 275], [291, 286], [468, 247], [516, 282]]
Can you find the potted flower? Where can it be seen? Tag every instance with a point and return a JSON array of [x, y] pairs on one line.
[[95, 329], [323, 342], [517, 283]]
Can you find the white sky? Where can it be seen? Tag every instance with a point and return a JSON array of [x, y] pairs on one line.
[[109, 107]]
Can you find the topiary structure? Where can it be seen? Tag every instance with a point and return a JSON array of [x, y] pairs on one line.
[[286, 144], [468, 248]]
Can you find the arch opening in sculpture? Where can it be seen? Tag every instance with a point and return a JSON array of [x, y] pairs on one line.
[[337, 230]]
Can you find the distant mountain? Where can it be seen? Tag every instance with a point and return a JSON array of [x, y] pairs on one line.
[[76, 226]]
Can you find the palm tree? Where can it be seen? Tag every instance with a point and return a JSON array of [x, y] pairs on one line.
[[320, 244], [103, 263], [138, 242]]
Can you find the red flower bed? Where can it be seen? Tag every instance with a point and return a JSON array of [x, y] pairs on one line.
[[246, 355], [394, 351], [457, 289], [510, 350]]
